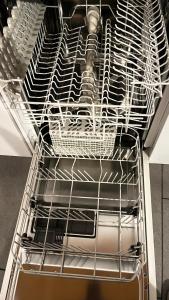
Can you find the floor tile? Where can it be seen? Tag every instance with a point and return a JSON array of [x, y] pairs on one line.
[[165, 239], [156, 196], [1, 277], [13, 174], [166, 181]]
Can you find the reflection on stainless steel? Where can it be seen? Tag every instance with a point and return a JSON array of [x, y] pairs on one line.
[[93, 19], [89, 77]]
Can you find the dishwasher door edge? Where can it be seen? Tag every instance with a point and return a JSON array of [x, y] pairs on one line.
[[149, 230]]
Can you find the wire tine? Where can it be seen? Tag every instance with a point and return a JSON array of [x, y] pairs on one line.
[[109, 176], [132, 176], [78, 177], [83, 175], [44, 173], [61, 171], [41, 212], [115, 154], [57, 173], [115, 177], [89, 175], [69, 173], [125, 178], [102, 179]]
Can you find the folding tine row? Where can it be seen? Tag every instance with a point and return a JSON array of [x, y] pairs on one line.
[[18, 40]]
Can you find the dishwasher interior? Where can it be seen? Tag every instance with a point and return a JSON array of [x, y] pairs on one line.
[[86, 214], [88, 77]]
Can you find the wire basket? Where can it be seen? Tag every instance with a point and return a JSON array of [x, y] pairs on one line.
[[84, 217], [82, 139]]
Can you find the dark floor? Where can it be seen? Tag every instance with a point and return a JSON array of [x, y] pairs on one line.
[[13, 173], [159, 175]]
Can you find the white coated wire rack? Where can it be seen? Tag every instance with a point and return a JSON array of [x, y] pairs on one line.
[[84, 217], [16, 47], [112, 72], [18, 40], [85, 80]]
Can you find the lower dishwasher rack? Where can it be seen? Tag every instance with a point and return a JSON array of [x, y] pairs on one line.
[[83, 218]]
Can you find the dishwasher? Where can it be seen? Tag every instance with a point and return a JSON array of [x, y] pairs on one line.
[[87, 77]]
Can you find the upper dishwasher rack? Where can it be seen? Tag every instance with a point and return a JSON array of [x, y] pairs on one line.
[[130, 56]]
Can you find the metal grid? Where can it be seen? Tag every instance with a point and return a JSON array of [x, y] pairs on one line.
[[84, 218], [18, 40], [129, 57], [83, 82]]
